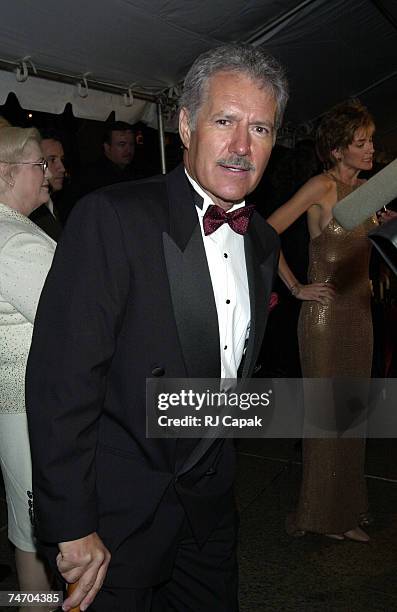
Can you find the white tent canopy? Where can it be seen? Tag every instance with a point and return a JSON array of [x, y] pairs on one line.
[[50, 96], [331, 49]]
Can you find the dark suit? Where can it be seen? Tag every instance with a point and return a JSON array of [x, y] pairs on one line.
[[44, 218], [129, 296], [101, 173]]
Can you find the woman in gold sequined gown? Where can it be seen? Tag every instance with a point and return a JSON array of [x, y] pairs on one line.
[[335, 327]]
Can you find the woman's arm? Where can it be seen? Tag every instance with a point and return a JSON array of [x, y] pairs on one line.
[[312, 192], [25, 260], [319, 292]]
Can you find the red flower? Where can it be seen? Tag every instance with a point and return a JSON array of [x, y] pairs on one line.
[[273, 301]]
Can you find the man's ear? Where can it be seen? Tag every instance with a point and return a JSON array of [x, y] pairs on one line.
[[106, 148], [184, 127]]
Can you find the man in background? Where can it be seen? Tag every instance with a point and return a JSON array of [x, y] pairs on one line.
[[47, 215], [115, 164]]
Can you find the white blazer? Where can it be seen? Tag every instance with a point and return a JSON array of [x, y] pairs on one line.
[[26, 254]]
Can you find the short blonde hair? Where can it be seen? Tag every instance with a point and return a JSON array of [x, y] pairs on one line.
[[13, 141]]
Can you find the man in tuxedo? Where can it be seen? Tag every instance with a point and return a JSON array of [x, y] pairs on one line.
[[46, 216], [149, 281]]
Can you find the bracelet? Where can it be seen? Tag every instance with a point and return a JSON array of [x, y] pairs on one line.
[[295, 289]]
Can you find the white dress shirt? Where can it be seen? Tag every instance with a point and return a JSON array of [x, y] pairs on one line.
[[50, 206], [224, 249]]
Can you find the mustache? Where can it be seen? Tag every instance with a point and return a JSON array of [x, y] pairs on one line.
[[238, 161]]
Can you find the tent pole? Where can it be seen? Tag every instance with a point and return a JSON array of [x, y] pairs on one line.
[[262, 33], [160, 125], [387, 13]]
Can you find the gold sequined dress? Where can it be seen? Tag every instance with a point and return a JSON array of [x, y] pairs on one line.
[[335, 340]]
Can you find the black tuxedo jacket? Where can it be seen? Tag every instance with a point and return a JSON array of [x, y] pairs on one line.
[[129, 296], [43, 217]]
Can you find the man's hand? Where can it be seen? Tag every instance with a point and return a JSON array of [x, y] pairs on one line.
[[84, 561], [386, 215]]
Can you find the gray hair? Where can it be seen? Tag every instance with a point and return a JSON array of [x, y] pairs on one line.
[[13, 141], [246, 59]]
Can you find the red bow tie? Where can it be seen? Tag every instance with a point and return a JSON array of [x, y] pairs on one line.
[[238, 219]]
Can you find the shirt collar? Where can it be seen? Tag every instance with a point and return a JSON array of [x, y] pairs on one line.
[[206, 200]]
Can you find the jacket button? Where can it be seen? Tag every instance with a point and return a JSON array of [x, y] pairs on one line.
[[210, 472], [158, 372]]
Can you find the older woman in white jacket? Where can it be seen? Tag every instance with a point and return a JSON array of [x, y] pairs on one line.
[[25, 257]]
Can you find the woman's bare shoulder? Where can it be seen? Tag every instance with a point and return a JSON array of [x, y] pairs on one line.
[[322, 181], [319, 186]]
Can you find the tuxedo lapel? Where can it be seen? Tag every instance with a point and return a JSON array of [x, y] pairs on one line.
[[259, 257], [192, 294], [190, 282], [260, 244]]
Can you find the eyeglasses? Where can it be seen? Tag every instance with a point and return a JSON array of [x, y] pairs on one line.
[[43, 163]]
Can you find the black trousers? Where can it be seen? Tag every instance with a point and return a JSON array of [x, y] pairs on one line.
[[203, 579]]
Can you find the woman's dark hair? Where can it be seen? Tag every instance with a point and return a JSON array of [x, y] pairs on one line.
[[337, 129]]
